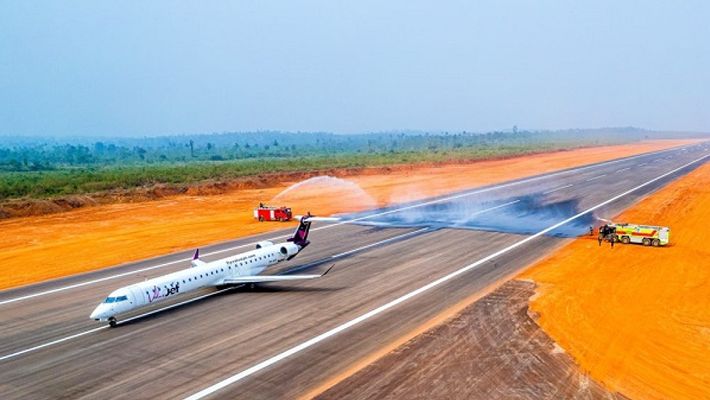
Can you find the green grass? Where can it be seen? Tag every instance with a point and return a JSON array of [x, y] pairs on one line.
[[69, 181]]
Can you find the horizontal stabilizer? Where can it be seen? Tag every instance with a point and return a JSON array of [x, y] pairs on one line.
[[323, 219]]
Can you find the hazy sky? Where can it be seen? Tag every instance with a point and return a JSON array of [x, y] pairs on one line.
[[163, 67]]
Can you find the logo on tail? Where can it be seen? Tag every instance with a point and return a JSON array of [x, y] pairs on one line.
[[300, 237]]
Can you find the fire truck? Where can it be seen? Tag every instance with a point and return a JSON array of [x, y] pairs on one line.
[[268, 213], [647, 235]]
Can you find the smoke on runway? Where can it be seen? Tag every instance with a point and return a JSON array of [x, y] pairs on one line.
[[522, 215]]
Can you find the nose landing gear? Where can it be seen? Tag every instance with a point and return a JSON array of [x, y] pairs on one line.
[[112, 322]]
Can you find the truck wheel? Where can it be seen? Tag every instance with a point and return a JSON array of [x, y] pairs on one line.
[[646, 242], [656, 242], [625, 240]]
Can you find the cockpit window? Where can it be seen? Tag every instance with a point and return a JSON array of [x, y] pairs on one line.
[[115, 299]]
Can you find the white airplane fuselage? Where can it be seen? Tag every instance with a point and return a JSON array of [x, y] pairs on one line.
[[200, 276]]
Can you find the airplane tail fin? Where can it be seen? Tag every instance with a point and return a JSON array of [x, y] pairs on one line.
[[196, 262], [300, 237]]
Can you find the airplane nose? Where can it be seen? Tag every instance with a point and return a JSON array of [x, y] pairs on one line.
[[97, 313]]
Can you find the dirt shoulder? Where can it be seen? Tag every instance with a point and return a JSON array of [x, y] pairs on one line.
[[491, 350], [35, 248], [636, 318]]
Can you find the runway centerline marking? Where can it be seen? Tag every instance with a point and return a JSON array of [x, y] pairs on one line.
[[559, 188], [381, 242], [595, 178], [345, 253], [439, 200], [622, 170], [340, 328]]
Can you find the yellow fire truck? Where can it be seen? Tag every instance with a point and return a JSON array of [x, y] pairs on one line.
[[645, 234]]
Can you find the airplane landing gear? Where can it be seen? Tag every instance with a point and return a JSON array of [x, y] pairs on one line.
[[112, 322]]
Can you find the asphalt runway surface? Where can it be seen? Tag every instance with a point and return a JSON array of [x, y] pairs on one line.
[[281, 340]]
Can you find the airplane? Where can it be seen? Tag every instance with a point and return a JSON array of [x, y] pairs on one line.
[[241, 269]]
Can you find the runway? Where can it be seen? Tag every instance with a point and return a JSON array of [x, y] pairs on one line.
[[189, 349]]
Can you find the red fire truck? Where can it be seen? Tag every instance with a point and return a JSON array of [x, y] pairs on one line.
[[268, 213]]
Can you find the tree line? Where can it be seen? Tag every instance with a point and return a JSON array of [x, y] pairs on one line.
[[45, 154]]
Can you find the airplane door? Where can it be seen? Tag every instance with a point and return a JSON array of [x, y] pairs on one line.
[[137, 297]]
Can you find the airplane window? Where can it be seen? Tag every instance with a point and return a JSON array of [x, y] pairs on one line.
[[189, 279], [110, 300], [222, 269], [121, 298], [183, 281]]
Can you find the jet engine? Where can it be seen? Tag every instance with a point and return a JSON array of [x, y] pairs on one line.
[[264, 243], [288, 250]]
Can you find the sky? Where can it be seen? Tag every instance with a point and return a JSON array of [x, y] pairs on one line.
[[145, 68]]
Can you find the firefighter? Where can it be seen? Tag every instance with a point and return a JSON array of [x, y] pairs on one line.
[[612, 236], [602, 233]]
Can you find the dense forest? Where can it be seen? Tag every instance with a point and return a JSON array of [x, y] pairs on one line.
[[45, 167]]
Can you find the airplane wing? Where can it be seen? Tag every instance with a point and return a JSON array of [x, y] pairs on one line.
[[238, 280]]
